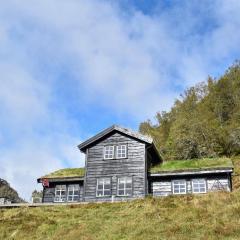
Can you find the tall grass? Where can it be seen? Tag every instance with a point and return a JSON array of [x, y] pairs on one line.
[[208, 216]]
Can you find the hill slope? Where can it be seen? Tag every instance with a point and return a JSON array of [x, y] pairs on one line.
[[6, 191], [204, 122], [208, 216]]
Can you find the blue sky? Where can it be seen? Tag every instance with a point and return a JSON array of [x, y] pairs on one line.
[[71, 68]]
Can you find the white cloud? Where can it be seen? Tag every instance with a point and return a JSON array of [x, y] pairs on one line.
[[128, 62], [29, 160]]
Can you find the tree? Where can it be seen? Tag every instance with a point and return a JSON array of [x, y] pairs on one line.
[[203, 122], [8, 192]]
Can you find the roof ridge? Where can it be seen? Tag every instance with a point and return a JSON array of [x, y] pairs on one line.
[[119, 128]]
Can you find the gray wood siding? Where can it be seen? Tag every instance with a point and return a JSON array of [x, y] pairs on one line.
[[98, 167], [213, 183], [161, 188], [48, 194], [216, 184]]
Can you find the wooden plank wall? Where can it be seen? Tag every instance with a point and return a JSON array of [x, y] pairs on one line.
[[214, 183], [133, 165]]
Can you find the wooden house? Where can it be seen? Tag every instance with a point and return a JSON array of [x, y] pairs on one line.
[[122, 165]]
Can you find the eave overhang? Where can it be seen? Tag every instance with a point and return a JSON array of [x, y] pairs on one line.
[[191, 172], [61, 179]]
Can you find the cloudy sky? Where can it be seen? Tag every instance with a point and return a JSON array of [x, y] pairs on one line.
[[70, 68]]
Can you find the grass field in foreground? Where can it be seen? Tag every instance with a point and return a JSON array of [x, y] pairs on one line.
[[208, 216]]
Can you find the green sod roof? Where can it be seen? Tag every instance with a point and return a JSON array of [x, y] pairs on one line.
[[195, 164], [66, 172]]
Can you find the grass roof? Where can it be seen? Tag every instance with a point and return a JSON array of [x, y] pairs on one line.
[[66, 172], [204, 163]]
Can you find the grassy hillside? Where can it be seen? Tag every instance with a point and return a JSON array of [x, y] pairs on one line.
[[209, 216], [203, 122]]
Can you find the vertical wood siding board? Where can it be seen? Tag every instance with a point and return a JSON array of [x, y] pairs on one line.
[[86, 173], [145, 171]]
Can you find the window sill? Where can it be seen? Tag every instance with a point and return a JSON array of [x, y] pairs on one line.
[[199, 192], [179, 193], [124, 196], [114, 158], [107, 196]]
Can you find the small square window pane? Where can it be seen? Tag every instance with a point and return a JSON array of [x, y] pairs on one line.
[[75, 198], [121, 180], [107, 192], [99, 193], [128, 191], [107, 181], [121, 192], [129, 180], [100, 181]]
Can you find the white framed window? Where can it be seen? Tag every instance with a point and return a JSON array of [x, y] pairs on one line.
[[73, 193], [60, 193], [108, 152], [199, 186], [103, 187], [179, 186], [122, 151], [124, 187]]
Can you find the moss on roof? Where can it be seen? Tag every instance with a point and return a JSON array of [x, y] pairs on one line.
[[66, 172], [204, 163]]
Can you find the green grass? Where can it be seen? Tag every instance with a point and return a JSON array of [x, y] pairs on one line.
[[165, 166], [66, 172], [210, 216], [204, 163]]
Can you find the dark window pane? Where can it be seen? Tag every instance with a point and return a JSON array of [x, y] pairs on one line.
[[108, 187], [75, 198], [107, 192], [121, 192], [99, 193]]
